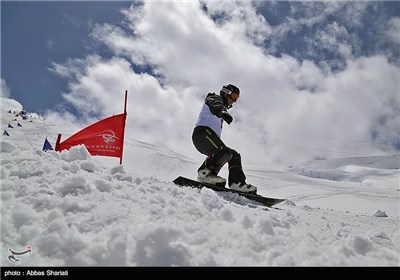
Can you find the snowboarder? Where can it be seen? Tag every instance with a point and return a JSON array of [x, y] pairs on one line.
[[206, 139]]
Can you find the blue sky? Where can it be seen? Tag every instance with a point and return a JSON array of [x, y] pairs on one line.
[[35, 34], [318, 79]]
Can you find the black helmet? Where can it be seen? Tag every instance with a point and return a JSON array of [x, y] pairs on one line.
[[231, 91]]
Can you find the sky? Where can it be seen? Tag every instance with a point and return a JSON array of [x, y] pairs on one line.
[[35, 34], [73, 209], [318, 80]]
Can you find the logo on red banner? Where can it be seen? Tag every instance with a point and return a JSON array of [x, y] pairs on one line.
[[109, 136]]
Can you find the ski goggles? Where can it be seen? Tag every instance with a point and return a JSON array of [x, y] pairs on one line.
[[234, 96]]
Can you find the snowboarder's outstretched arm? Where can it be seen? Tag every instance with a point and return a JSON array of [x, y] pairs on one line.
[[217, 107]]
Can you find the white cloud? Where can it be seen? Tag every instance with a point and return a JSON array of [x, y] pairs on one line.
[[240, 19], [327, 30], [334, 38], [4, 90], [393, 31], [289, 111], [302, 14], [342, 114], [98, 91]]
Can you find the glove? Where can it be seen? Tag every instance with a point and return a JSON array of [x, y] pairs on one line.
[[226, 117]]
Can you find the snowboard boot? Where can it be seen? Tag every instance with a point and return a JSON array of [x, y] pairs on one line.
[[243, 187], [205, 175]]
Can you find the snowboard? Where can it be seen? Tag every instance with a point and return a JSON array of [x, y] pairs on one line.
[[266, 201]]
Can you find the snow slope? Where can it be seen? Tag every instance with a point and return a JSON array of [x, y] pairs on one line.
[[77, 210], [357, 169]]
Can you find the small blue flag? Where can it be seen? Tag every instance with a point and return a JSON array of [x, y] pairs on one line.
[[6, 133], [10, 126], [47, 146]]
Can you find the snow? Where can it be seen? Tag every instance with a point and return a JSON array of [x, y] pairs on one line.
[[10, 104], [77, 210]]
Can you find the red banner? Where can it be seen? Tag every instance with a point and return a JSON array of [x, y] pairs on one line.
[[104, 138]]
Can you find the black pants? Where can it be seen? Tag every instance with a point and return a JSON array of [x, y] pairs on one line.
[[208, 143]]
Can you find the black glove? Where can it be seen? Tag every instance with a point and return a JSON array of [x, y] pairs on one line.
[[226, 117]]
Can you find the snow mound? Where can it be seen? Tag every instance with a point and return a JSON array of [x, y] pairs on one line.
[[10, 104], [79, 152]]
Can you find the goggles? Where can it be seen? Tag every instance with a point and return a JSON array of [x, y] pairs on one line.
[[234, 96]]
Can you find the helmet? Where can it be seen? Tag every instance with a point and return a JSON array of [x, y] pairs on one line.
[[231, 91]]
